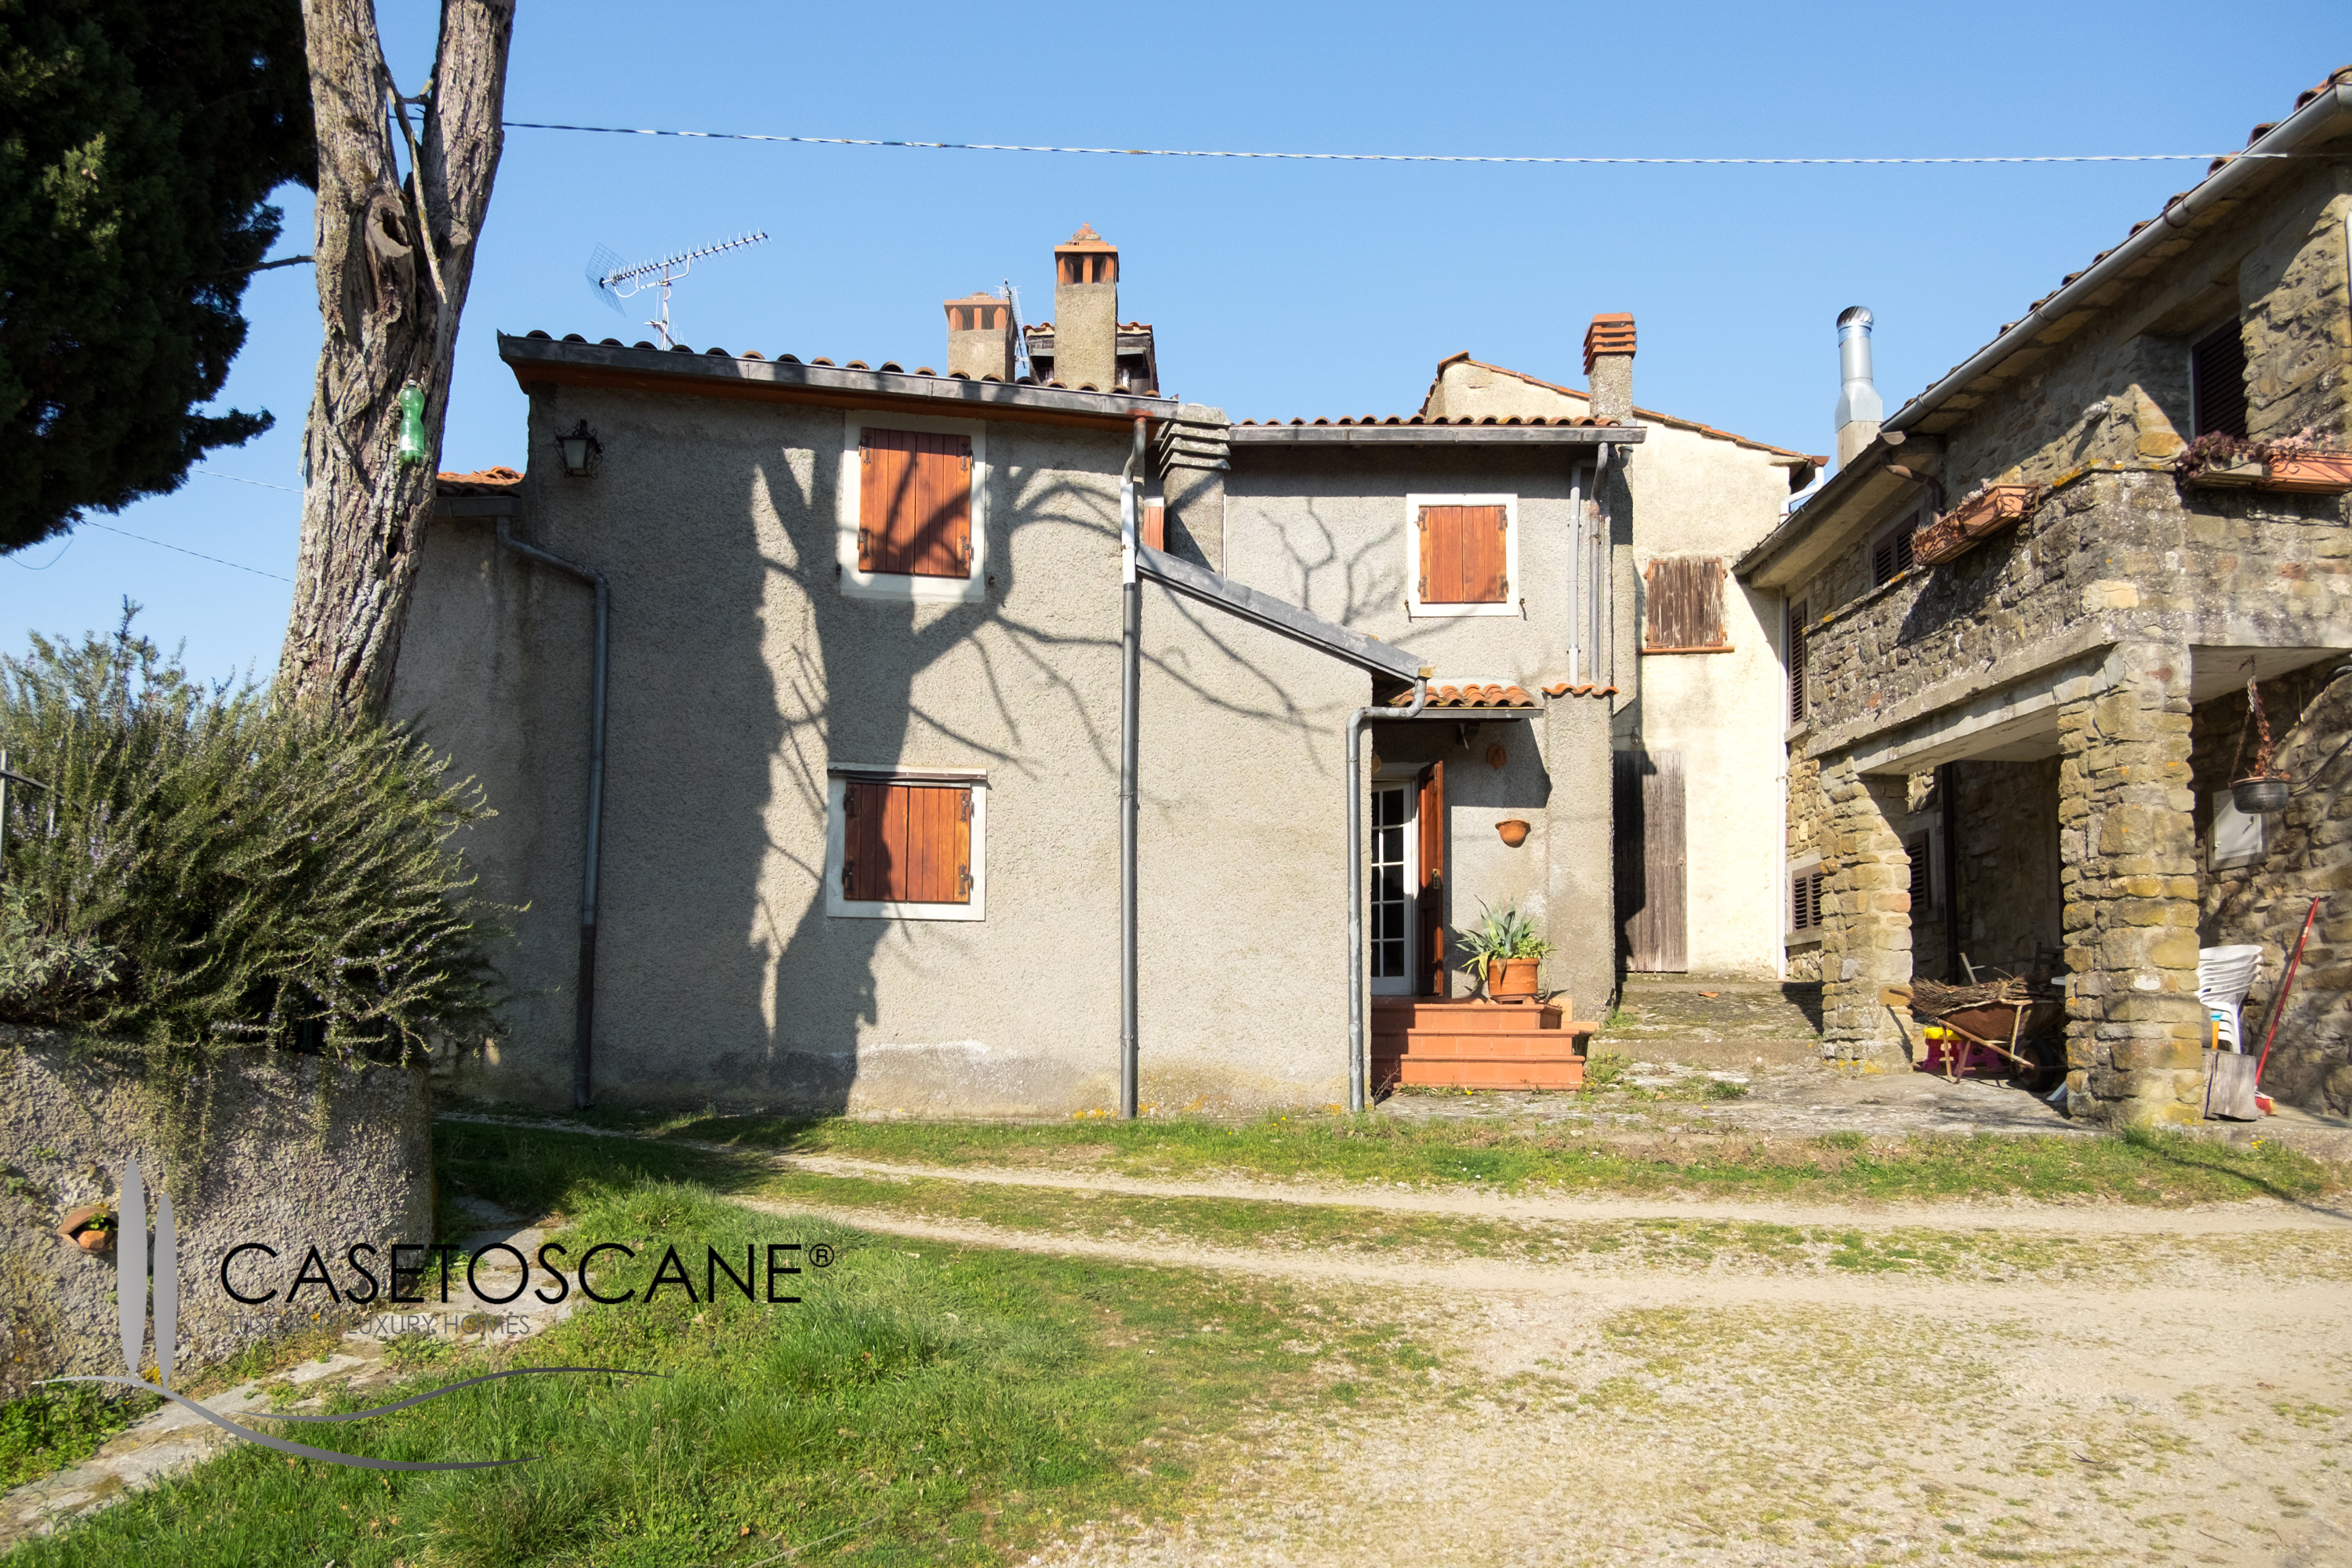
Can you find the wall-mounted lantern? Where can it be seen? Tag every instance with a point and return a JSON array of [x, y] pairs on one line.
[[581, 450]]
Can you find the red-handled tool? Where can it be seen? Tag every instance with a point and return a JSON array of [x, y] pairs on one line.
[[2286, 981]]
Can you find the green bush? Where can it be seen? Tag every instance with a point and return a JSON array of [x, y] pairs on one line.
[[204, 870]]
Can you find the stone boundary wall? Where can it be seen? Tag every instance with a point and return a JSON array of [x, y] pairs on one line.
[[251, 1144]]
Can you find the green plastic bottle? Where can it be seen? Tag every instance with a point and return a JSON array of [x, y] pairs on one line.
[[412, 424]]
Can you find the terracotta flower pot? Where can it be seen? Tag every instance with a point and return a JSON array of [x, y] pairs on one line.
[[1514, 831], [76, 1227], [1512, 980], [2310, 473]]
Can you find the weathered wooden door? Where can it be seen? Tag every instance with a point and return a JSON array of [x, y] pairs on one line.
[[1651, 861], [1431, 903]]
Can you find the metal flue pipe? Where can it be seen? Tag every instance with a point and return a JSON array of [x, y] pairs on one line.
[[1130, 648], [583, 1021], [1356, 1058]]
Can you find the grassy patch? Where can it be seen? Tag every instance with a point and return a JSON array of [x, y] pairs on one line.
[[55, 1427], [922, 1404], [2137, 1167]]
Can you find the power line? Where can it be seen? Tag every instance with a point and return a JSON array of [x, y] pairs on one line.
[[199, 554], [1375, 157], [216, 474]]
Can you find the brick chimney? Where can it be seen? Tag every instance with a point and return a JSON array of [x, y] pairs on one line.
[[1085, 312], [980, 337], [1609, 367]]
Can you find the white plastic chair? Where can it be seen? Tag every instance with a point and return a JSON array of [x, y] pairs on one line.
[[2224, 975]]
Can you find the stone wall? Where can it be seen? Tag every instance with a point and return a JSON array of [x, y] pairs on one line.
[[2306, 853], [2011, 900], [251, 1145]]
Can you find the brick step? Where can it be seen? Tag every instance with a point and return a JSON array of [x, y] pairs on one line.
[[1397, 1014], [1530, 1044], [1563, 1072]]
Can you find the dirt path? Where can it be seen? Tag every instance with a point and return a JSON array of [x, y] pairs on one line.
[[1648, 1415]]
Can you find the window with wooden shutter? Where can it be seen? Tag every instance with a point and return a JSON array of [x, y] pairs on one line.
[[1805, 899], [1797, 616], [1891, 556], [914, 503], [1922, 875], [1684, 596], [1155, 525], [1465, 554], [2217, 383], [906, 846]]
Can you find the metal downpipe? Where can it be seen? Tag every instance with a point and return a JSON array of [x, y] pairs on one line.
[[1130, 648], [1356, 1059], [583, 1021]]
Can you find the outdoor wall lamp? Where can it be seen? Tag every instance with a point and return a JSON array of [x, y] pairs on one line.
[[581, 450]]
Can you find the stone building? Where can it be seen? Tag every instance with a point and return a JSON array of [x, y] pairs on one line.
[[2019, 627], [856, 823]]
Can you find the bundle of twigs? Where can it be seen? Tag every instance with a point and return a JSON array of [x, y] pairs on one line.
[[1932, 999]]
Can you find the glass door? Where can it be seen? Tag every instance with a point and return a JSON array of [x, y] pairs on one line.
[[1392, 887]]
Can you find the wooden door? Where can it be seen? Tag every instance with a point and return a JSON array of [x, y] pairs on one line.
[[1652, 903], [1430, 814]]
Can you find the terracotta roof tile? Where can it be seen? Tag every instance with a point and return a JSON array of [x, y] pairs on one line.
[[1588, 421], [1471, 696], [498, 481]]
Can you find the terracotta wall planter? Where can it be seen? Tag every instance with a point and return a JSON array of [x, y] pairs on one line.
[[1973, 520], [1513, 830], [2310, 474]]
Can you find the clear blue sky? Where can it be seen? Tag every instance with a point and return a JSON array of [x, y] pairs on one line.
[[1277, 290]]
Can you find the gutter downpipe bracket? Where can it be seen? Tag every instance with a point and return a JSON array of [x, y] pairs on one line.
[[584, 1014]]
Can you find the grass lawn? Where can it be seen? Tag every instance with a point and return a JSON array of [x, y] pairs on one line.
[[921, 1405], [2136, 1167]]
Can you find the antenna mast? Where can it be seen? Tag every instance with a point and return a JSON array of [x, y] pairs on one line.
[[1021, 365], [618, 283]]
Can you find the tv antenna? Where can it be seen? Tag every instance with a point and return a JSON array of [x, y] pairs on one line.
[[614, 282], [1021, 365]]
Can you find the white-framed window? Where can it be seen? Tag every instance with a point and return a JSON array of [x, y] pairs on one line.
[[912, 508], [1393, 891], [1806, 881], [1461, 555], [905, 843]]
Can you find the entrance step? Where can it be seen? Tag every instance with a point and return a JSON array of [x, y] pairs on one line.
[[1425, 1043]]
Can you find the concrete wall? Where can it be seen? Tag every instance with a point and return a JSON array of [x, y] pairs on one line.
[[1327, 529], [251, 1145], [1688, 492], [740, 672]]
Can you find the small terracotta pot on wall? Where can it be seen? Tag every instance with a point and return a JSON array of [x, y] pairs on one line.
[[76, 1227], [1512, 980], [1514, 831]]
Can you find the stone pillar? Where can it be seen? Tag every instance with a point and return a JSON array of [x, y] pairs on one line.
[[1085, 312], [1579, 838], [1194, 462], [980, 337], [1865, 909], [2127, 843]]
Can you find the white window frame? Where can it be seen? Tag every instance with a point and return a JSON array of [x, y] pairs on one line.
[[897, 587], [1408, 778], [1515, 596], [839, 907], [1790, 935]]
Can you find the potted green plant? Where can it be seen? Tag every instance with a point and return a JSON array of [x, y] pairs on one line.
[[91, 1228], [1503, 951]]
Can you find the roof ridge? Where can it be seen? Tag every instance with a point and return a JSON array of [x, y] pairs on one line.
[[1674, 420]]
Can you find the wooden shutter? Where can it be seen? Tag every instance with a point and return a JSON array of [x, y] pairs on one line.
[[1891, 556], [1805, 900], [1797, 614], [914, 503], [905, 844], [1155, 525], [2218, 367], [1685, 605], [1652, 900], [1431, 904], [1463, 554], [1923, 877]]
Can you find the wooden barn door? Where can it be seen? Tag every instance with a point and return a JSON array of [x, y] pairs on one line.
[[1651, 861]]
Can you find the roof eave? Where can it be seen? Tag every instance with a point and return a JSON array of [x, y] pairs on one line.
[[1436, 435]]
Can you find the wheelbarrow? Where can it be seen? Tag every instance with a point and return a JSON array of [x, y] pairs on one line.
[[2007, 1017]]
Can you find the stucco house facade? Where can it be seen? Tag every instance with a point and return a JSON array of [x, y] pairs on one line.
[[855, 838], [2020, 625]]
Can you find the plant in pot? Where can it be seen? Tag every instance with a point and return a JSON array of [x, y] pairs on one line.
[[1503, 951], [91, 1228], [2265, 787]]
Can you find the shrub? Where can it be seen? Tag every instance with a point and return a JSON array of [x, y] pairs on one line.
[[204, 870]]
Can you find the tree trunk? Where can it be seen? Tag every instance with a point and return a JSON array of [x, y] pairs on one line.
[[389, 308]]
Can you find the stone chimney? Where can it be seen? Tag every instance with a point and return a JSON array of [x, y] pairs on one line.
[[1859, 406], [1085, 312], [980, 337], [1609, 367]]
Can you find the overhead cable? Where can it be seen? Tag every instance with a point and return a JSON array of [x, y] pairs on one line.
[[1373, 157]]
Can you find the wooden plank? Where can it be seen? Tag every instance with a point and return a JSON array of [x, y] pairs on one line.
[[1647, 796]]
